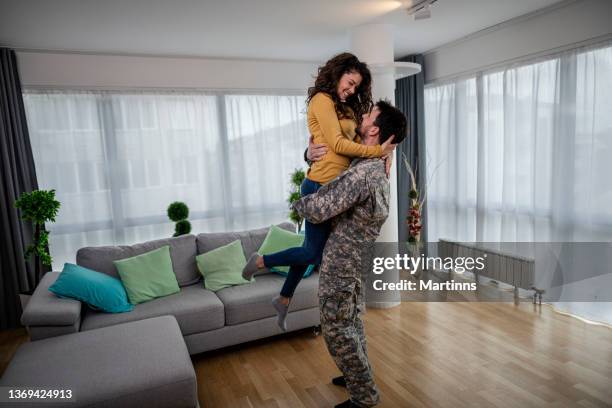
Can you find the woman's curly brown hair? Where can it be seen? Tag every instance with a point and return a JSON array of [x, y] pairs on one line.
[[327, 81]]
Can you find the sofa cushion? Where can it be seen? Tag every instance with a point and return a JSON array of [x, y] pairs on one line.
[[196, 309], [222, 267], [182, 253], [98, 290], [245, 303], [148, 276], [250, 240], [259, 235], [140, 364], [279, 239]]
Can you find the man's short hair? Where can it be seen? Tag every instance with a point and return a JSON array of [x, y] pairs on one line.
[[390, 121]]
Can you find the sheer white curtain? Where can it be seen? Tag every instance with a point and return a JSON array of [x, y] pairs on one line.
[[524, 155], [117, 160], [266, 138]]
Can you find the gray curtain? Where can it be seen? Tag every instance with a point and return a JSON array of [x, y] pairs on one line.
[[18, 175], [409, 94]]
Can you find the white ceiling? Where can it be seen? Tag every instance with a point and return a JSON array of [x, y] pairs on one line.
[[304, 30]]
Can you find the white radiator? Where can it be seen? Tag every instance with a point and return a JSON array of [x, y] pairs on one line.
[[500, 265]]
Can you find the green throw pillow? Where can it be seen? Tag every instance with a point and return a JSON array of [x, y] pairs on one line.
[[222, 267], [279, 239], [148, 276]]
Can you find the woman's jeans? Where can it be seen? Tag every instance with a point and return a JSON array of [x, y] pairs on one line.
[[309, 253]]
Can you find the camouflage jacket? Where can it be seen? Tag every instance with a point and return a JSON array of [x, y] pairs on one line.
[[357, 201]]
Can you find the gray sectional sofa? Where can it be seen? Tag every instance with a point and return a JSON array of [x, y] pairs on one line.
[[207, 320], [142, 363]]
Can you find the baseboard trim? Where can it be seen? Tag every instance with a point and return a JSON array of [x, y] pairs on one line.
[[382, 305]]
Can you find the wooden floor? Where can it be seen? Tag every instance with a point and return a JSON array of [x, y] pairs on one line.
[[10, 340], [424, 355]]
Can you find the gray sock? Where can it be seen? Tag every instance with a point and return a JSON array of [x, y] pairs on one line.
[[251, 267], [281, 311]]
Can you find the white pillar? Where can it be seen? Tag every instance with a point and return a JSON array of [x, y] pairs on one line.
[[373, 44]]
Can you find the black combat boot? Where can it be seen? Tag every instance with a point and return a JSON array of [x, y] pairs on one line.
[[347, 404], [339, 381]]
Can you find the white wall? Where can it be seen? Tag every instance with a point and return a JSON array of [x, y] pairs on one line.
[[555, 28], [78, 70]]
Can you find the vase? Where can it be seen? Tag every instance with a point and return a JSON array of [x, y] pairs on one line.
[[414, 251]]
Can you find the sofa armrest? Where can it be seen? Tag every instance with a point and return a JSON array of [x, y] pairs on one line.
[[52, 314]]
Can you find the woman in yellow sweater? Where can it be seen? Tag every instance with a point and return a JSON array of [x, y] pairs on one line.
[[340, 96]]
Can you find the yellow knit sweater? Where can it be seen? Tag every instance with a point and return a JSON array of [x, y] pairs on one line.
[[339, 136]]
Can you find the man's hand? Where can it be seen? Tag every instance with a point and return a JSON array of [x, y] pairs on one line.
[[387, 147], [316, 151], [387, 156], [388, 162]]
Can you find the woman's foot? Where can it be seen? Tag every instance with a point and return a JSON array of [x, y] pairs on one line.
[[252, 266], [281, 304]]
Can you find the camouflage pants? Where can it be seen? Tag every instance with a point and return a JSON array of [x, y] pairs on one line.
[[344, 335]]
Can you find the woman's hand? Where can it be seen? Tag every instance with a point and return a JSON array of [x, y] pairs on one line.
[[387, 147], [316, 151], [388, 162]]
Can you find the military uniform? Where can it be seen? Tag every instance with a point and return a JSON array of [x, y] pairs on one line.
[[359, 201]]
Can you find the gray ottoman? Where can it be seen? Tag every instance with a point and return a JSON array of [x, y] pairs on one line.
[[137, 364]]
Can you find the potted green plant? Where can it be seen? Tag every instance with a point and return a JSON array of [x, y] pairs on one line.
[[178, 212], [297, 177], [38, 207]]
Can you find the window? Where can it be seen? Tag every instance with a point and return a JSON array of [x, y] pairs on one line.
[[523, 152], [117, 160]]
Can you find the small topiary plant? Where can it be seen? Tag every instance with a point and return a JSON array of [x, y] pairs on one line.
[[39, 206], [178, 212], [182, 227], [297, 177]]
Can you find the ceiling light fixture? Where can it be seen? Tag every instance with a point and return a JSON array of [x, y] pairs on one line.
[[420, 9]]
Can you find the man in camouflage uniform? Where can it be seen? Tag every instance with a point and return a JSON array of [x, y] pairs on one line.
[[358, 202]]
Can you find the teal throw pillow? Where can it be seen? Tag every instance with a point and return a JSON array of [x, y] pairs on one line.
[[98, 290], [148, 276]]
